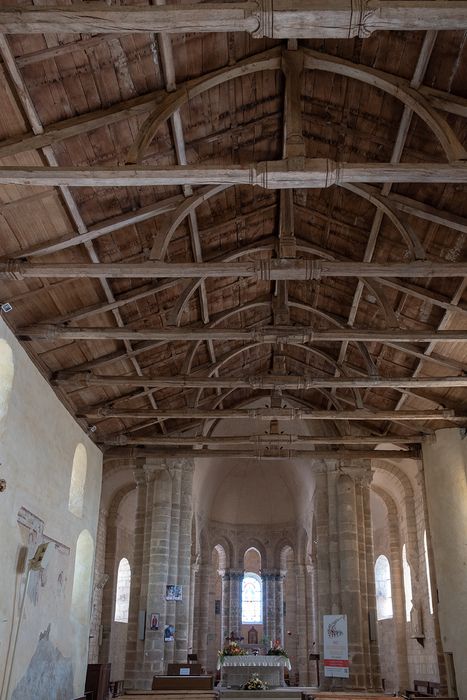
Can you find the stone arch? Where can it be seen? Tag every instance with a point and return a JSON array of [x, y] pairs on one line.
[[407, 491], [252, 543], [227, 548], [281, 551]]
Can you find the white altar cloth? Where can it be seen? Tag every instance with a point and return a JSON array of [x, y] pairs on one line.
[[236, 670]]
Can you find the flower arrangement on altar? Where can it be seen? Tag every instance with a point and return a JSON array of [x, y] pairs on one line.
[[230, 649], [277, 650], [255, 683]]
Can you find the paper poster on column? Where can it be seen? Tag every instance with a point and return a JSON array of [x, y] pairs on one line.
[[336, 647]]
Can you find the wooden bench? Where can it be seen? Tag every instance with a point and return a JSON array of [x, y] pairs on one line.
[[424, 689], [170, 695], [182, 683]]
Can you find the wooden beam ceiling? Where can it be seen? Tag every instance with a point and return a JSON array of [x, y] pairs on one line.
[[275, 175], [275, 269], [283, 19], [259, 382], [272, 334], [267, 414]]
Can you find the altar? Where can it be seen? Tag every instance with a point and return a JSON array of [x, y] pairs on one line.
[[236, 670]]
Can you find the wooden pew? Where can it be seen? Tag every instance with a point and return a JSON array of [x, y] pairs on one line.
[[170, 695]]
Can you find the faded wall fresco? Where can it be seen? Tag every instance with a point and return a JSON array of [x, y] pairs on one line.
[[49, 674], [36, 455]]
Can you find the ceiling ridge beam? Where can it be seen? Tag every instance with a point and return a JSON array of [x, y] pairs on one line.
[[303, 173], [273, 334], [283, 414], [281, 20], [266, 270], [259, 382]]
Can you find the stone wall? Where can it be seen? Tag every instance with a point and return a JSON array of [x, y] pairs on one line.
[[38, 446], [445, 464]]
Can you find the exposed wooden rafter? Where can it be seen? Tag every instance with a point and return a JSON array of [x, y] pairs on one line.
[[259, 382], [276, 269], [267, 414], [273, 334], [283, 19], [276, 175]]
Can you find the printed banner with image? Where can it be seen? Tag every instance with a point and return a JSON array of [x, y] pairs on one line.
[[336, 648]]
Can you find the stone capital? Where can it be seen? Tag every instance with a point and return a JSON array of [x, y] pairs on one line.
[[361, 474], [139, 476], [182, 463]]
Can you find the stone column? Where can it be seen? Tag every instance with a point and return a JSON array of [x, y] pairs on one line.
[[302, 647], [350, 578], [182, 607], [175, 469], [374, 668], [202, 585], [279, 595], [191, 613], [158, 568], [266, 619], [323, 565], [235, 603], [109, 592], [225, 606], [135, 646]]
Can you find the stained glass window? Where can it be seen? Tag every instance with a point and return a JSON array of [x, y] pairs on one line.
[[122, 598], [383, 588], [407, 584], [252, 599]]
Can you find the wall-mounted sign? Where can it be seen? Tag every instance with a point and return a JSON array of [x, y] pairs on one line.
[[336, 647], [173, 592], [154, 621]]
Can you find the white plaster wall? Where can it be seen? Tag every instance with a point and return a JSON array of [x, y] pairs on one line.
[[36, 454], [446, 485]]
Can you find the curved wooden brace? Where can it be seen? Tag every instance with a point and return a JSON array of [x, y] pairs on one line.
[[269, 243], [398, 88], [268, 60], [175, 315], [163, 240], [382, 203], [163, 237], [210, 423], [187, 365], [379, 295], [271, 60], [371, 367]]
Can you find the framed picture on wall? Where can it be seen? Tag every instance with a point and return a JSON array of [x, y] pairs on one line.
[[169, 633], [154, 621], [173, 593]]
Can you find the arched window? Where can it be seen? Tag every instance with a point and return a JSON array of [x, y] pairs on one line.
[[122, 598], [383, 588], [407, 584], [80, 596], [78, 480], [252, 599], [6, 376], [428, 575]]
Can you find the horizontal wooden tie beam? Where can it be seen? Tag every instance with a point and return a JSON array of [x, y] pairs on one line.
[[293, 173], [266, 334], [258, 382], [130, 453], [266, 441], [275, 269], [281, 19], [267, 414]]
